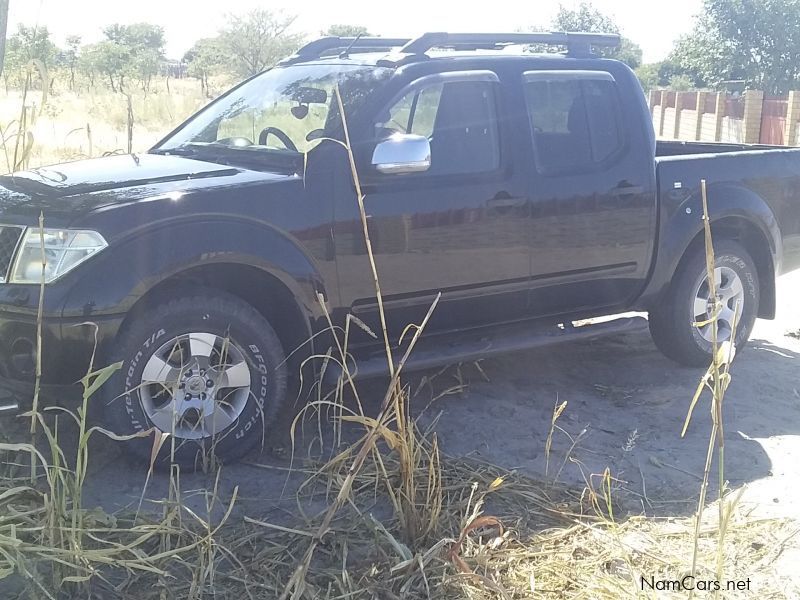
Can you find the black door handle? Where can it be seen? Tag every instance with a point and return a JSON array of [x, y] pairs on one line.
[[627, 190], [503, 200]]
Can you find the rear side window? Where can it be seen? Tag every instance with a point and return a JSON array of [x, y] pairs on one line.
[[575, 119], [460, 120]]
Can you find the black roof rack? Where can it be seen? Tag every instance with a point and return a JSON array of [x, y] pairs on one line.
[[576, 43], [327, 45]]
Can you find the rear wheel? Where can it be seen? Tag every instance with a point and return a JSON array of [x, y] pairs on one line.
[[688, 301], [207, 369]]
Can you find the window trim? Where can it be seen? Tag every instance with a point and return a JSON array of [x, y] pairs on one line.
[[575, 75], [416, 85], [437, 78], [567, 75]]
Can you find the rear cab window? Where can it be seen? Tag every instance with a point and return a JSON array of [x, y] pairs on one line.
[[575, 118]]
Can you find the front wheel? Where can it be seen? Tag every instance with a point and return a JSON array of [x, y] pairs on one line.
[[207, 369], [676, 322]]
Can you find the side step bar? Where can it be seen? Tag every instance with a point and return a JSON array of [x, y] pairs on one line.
[[8, 407], [436, 351]]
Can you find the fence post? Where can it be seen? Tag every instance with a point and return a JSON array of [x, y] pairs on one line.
[[676, 134], [700, 106], [653, 99], [792, 117], [719, 114], [662, 103], [753, 105]]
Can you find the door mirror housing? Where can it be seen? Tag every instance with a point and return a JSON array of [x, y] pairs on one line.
[[402, 153]]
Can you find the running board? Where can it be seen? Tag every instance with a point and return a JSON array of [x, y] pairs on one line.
[[439, 350], [7, 407]]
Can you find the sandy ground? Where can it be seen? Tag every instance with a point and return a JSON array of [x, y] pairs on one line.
[[626, 405]]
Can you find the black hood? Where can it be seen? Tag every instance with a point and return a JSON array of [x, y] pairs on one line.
[[111, 172], [74, 188]]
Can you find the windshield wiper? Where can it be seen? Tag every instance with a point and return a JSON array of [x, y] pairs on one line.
[[216, 152], [189, 148]]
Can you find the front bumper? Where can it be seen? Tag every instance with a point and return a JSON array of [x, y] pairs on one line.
[[17, 396], [67, 348], [14, 396]]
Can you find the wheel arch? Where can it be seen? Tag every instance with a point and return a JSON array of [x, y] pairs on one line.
[[262, 290], [736, 213]]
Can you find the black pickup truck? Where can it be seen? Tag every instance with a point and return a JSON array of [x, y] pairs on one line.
[[527, 188]]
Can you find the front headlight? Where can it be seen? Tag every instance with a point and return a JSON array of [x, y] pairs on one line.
[[64, 249]]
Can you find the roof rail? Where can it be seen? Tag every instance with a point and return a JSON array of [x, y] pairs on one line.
[[324, 45], [578, 44]]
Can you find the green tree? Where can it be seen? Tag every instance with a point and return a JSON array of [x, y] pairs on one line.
[[26, 45], [585, 17], [757, 41], [108, 59], [3, 27], [681, 83], [342, 30], [665, 72], [207, 57], [129, 52], [137, 50], [258, 40], [89, 62], [70, 56], [648, 76]]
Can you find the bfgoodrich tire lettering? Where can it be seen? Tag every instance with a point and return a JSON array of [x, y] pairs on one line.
[[216, 409], [672, 320]]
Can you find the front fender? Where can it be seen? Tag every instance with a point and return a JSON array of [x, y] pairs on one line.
[[112, 282]]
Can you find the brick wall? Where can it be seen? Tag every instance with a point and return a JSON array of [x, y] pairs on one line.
[[706, 116]]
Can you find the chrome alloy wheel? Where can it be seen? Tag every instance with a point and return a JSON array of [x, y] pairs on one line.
[[195, 386], [730, 293]]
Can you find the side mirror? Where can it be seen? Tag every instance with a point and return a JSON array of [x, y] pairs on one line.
[[402, 153]]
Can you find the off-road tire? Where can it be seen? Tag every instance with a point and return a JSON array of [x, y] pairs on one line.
[[217, 313], [671, 322]]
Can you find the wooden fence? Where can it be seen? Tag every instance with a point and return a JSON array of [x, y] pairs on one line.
[[749, 118]]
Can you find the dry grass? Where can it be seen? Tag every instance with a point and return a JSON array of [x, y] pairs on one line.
[[553, 544], [94, 122]]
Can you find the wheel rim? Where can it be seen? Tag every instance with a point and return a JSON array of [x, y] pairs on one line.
[[730, 293], [195, 386]]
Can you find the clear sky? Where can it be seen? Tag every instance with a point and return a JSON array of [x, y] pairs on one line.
[[653, 25]]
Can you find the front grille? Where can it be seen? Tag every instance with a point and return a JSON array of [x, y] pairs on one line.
[[9, 239]]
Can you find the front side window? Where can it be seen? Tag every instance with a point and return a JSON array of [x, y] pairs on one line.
[[460, 120], [575, 119]]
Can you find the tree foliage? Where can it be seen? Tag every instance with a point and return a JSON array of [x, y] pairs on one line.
[[3, 27], [26, 45], [206, 58], [69, 57], [755, 41], [127, 52], [668, 74], [258, 40], [342, 30], [585, 17]]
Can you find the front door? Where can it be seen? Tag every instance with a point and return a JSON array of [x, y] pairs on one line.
[[458, 228]]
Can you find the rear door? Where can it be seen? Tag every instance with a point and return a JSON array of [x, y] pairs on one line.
[[592, 202], [458, 228]]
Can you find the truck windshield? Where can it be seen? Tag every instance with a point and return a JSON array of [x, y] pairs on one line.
[[285, 110]]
